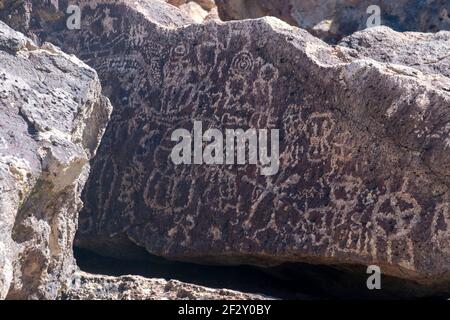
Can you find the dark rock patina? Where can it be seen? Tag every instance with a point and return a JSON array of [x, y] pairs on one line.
[[364, 145]]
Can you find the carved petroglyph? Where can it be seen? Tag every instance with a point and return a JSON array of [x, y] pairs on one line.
[[318, 129], [353, 185], [242, 63]]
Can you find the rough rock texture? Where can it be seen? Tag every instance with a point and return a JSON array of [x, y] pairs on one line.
[[197, 10], [427, 52], [97, 287], [52, 116], [33, 17], [364, 145], [333, 19], [205, 4]]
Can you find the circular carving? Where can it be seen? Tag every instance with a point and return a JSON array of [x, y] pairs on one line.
[[242, 62], [180, 50]]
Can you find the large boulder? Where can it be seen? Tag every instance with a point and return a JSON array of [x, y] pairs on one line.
[[364, 169], [364, 155], [333, 19], [52, 116]]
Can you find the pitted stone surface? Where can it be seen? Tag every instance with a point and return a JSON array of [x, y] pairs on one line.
[[364, 145], [332, 20], [197, 10], [52, 115], [97, 287], [427, 52]]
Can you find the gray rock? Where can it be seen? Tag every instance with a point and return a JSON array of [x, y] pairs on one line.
[[52, 116], [198, 10], [98, 287], [364, 145], [427, 52], [205, 4], [332, 20]]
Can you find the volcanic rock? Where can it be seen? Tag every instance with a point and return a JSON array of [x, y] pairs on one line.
[[364, 146], [332, 20], [427, 52], [99, 287], [198, 10], [52, 116]]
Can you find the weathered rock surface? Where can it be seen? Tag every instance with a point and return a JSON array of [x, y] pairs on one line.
[[33, 17], [205, 4], [52, 116], [97, 287], [428, 53], [364, 145], [197, 10], [333, 19]]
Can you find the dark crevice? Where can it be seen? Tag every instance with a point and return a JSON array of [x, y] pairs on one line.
[[287, 281], [31, 128]]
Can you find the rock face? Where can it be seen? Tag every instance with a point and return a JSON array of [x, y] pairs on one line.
[[198, 10], [205, 4], [333, 19], [98, 287], [426, 52], [364, 146], [52, 116]]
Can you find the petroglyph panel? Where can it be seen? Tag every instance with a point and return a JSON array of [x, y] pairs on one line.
[[354, 185]]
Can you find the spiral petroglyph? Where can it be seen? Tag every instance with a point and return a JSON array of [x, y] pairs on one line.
[[242, 62]]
